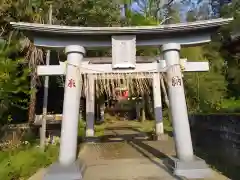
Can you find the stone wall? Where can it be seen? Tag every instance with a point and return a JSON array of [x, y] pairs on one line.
[[218, 135]]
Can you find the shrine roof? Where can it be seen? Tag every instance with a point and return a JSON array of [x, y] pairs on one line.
[[180, 27]]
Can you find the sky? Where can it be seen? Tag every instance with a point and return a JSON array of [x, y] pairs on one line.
[[137, 6], [183, 8]]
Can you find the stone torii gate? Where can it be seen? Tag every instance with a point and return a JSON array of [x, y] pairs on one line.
[[123, 41]]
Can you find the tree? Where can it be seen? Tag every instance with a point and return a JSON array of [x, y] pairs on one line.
[[13, 81], [205, 91], [173, 14], [67, 12], [86, 13], [232, 56], [28, 11]]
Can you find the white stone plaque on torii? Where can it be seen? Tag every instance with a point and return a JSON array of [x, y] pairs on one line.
[[123, 40], [123, 52]]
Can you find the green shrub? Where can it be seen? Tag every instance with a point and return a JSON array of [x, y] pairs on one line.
[[230, 105], [25, 161], [81, 128]]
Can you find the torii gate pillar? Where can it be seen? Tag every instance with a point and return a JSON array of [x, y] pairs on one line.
[[158, 107], [68, 167], [186, 164], [90, 102]]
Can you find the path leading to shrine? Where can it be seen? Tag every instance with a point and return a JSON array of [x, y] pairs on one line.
[[126, 154]]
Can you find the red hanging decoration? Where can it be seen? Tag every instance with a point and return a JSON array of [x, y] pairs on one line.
[[122, 94], [125, 93]]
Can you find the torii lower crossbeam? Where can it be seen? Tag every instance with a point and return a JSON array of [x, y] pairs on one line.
[[87, 68]]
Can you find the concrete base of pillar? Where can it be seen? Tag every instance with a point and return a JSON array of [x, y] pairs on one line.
[[195, 169], [57, 171], [91, 139], [90, 132], [160, 137]]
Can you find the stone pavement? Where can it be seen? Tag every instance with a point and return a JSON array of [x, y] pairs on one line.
[[127, 161], [126, 154], [121, 161]]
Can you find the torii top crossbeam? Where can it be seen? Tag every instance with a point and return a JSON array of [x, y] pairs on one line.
[[56, 36]]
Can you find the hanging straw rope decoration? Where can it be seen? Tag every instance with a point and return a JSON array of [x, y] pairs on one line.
[[138, 83], [106, 83]]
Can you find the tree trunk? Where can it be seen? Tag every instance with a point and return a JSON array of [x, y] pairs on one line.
[[32, 104], [81, 110], [138, 110], [143, 114], [102, 111], [149, 106]]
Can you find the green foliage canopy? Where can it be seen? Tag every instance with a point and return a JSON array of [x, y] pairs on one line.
[[14, 83]]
